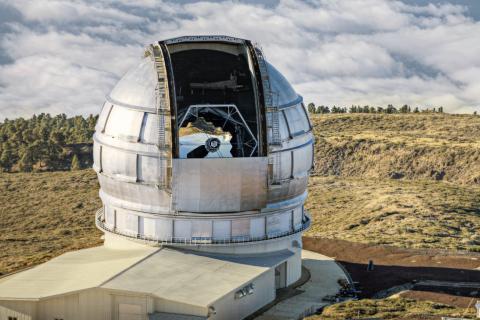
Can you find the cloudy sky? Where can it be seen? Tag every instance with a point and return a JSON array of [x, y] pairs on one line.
[[65, 56]]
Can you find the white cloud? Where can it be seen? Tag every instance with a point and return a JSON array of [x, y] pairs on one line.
[[55, 11], [45, 83], [68, 54]]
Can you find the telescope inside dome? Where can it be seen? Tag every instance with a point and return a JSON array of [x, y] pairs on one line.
[[215, 91]]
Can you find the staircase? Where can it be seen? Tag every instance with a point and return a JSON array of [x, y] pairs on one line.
[[273, 121], [272, 110], [162, 101]]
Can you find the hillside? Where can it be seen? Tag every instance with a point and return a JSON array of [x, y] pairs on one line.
[[405, 180], [427, 146], [405, 213], [353, 195], [44, 215], [410, 180]]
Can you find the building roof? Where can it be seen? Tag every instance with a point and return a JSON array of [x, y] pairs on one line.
[[71, 272], [192, 277], [183, 276]]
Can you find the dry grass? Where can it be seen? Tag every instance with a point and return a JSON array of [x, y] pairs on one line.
[[406, 213], [405, 180], [43, 215], [426, 146], [352, 197], [396, 308]]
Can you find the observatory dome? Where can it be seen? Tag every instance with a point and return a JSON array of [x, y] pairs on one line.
[[203, 144]]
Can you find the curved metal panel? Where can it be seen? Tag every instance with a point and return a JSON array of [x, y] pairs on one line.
[[241, 229], [141, 208], [278, 223], [297, 120], [149, 169], [126, 146], [302, 160], [121, 164], [126, 221], [202, 229], [110, 216], [137, 86], [222, 229], [257, 228], [297, 218], [127, 192], [183, 233], [103, 116], [158, 228], [149, 133], [124, 124], [182, 229], [288, 189], [282, 89], [97, 163]]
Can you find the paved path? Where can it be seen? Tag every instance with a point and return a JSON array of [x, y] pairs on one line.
[[324, 275]]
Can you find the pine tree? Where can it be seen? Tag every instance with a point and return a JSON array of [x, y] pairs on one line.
[[6, 158], [27, 160], [391, 109], [321, 109], [75, 163]]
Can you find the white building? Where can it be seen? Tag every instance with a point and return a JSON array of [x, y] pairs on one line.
[[203, 152]]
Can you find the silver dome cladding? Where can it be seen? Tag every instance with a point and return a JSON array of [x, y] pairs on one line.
[[136, 88], [207, 199]]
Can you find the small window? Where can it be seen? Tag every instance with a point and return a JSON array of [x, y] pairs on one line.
[[12, 318], [297, 119]]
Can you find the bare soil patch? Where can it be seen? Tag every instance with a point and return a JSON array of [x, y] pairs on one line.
[[396, 266]]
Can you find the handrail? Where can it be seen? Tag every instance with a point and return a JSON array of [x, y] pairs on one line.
[[100, 223]]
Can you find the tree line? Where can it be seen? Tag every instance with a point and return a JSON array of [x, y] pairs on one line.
[[390, 109], [46, 142]]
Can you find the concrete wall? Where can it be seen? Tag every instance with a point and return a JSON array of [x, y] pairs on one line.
[[64, 307], [229, 308], [168, 306], [294, 267], [131, 306], [95, 304], [22, 310], [92, 304], [103, 304]]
